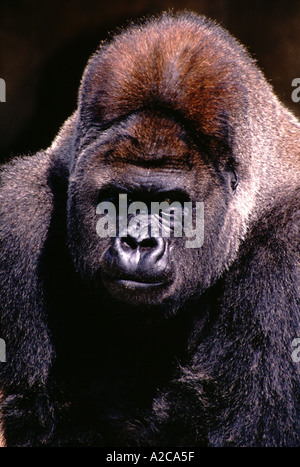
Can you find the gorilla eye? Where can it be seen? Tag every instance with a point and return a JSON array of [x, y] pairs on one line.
[[173, 196]]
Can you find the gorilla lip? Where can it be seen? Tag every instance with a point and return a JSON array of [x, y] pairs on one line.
[[130, 284], [135, 283]]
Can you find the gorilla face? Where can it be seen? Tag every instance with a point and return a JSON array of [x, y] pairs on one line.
[[149, 157]]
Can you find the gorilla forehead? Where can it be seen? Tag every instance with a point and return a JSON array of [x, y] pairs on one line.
[[151, 139], [149, 148]]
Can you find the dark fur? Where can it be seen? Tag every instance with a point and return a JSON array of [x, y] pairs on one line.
[[207, 361]]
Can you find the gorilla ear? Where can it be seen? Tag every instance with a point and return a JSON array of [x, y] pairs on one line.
[[234, 179]]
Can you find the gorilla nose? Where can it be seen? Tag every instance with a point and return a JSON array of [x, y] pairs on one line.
[[139, 258], [143, 252]]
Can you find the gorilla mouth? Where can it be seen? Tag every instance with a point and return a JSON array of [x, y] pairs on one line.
[[145, 281], [133, 284]]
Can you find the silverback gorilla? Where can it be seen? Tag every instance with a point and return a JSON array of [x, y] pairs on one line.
[[134, 339]]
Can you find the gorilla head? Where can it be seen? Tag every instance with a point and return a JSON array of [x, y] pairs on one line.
[[165, 131]]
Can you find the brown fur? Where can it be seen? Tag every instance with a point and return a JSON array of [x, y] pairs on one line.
[[171, 63]]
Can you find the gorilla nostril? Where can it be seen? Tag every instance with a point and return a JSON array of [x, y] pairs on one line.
[[129, 242], [132, 243], [149, 243]]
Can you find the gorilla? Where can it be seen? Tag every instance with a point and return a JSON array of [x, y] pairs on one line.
[[134, 338]]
